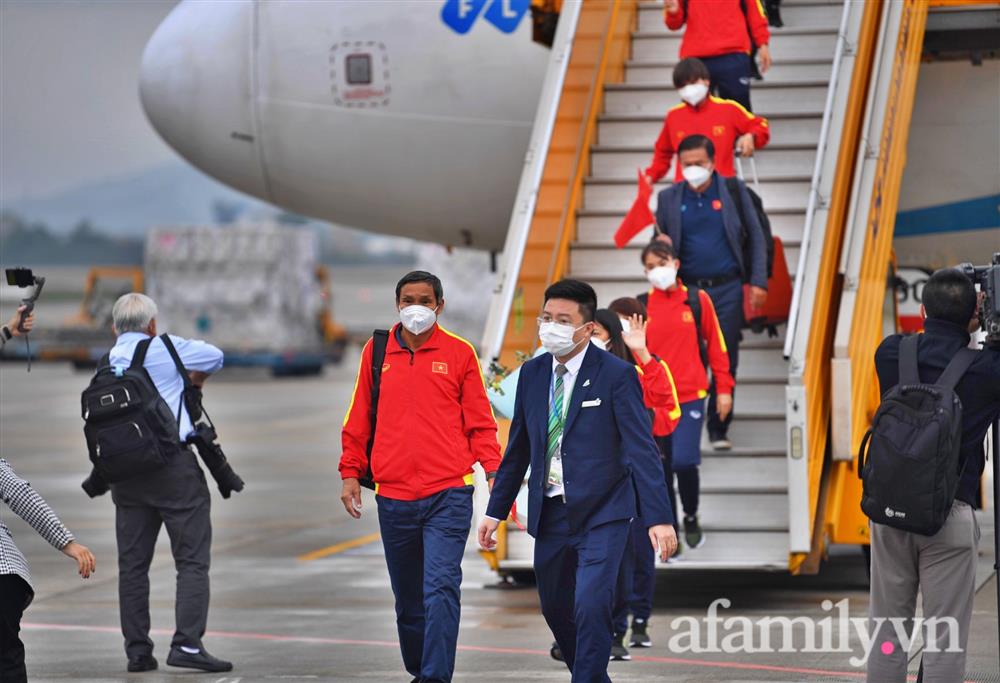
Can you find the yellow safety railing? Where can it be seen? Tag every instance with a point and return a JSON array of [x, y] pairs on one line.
[[846, 523], [816, 373], [601, 46]]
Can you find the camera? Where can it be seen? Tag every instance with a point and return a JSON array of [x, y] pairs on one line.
[[203, 438], [988, 279]]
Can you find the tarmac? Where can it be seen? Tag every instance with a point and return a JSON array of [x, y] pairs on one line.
[[301, 592]]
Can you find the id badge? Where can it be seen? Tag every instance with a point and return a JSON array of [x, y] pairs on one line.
[[555, 471]]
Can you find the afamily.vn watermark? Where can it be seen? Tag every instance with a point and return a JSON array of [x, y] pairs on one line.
[[715, 633]]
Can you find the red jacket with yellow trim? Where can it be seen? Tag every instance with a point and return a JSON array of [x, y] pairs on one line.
[[672, 336], [434, 419], [719, 27], [659, 393], [721, 121]]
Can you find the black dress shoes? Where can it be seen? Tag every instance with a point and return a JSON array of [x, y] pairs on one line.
[[142, 663], [200, 660]]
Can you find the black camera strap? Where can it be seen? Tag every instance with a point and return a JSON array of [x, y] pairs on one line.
[[189, 387]]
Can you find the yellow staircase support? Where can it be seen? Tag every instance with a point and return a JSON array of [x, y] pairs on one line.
[[845, 521], [601, 46]]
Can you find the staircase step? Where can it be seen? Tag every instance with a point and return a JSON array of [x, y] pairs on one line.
[[618, 194], [655, 99], [744, 473], [743, 549], [793, 14], [599, 227], [749, 549], [643, 129], [790, 43], [662, 72], [742, 511], [621, 161], [751, 431], [597, 261]]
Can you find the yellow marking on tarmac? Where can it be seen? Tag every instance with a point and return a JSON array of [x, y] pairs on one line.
[[340, 547]]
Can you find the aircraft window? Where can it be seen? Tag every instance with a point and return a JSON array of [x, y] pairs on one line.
[[359, 69]]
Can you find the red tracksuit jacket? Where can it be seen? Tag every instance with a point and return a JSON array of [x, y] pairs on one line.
[[721, 121], [719, 27], [671, 335], [659, 393], [434, 419]]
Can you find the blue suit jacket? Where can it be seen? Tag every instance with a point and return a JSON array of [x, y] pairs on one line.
[[611, 465], [668, 218]]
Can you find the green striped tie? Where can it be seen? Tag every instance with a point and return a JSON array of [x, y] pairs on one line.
[[556, 419]]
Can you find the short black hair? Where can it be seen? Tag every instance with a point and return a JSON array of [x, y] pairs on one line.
[[692, 142], [421, 276], [950, 295], [690, 70], [578, 291], [660, 248]]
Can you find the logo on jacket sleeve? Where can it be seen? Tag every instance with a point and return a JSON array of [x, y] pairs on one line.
[[439, 368]]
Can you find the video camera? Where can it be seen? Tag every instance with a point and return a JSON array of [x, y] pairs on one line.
[[23, 277], [988, 279]]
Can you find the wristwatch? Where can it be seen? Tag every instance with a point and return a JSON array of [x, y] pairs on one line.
[[491, 475]]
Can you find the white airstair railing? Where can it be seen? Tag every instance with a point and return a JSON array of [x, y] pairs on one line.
[[527, 191], [807, 272]]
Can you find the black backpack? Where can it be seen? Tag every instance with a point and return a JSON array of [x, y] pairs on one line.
[[694, 303], [733, 185], [911, 471], [130, 429], [380, 339]]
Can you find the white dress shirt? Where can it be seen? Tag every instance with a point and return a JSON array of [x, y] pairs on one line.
[[569, 381], [196, 355]]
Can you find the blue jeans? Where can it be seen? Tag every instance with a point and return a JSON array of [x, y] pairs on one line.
[[424, 543], [730, 76]]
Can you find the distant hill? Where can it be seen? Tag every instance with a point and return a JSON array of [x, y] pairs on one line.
[[173, 193]]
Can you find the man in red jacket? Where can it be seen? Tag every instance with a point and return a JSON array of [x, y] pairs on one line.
[[725, 122], [719, 33], [434, 422]]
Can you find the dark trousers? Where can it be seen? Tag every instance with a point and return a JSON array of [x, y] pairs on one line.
[[636, 578], [728, 302], [15, 596], [424, 543], [577, 574], [176, 497], [730, 76]]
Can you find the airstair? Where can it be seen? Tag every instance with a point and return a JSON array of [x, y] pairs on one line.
[[765, 504]]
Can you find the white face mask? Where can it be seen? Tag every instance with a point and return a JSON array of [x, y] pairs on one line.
[[693, 93], [662, 277], [696, 175], [557, 338], [599, 343], [417, 319]]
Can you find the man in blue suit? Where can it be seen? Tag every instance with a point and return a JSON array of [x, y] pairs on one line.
[[580, 423]]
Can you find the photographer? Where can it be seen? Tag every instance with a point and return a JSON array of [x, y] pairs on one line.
[[941, 566], [175, 495]]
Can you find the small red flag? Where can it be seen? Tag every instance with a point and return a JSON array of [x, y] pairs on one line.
[[639, 217]]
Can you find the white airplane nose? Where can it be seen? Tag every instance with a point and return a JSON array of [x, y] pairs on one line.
[[197, 88]]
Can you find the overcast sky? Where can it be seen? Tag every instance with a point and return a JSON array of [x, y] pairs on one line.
[[69, 103]]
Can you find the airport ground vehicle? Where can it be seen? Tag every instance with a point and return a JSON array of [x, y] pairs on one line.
[[257, 292]]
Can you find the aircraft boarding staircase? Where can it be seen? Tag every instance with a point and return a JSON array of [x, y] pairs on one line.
[[767, 503]]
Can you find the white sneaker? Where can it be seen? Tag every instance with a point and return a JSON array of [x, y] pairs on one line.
[[722, 445]]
